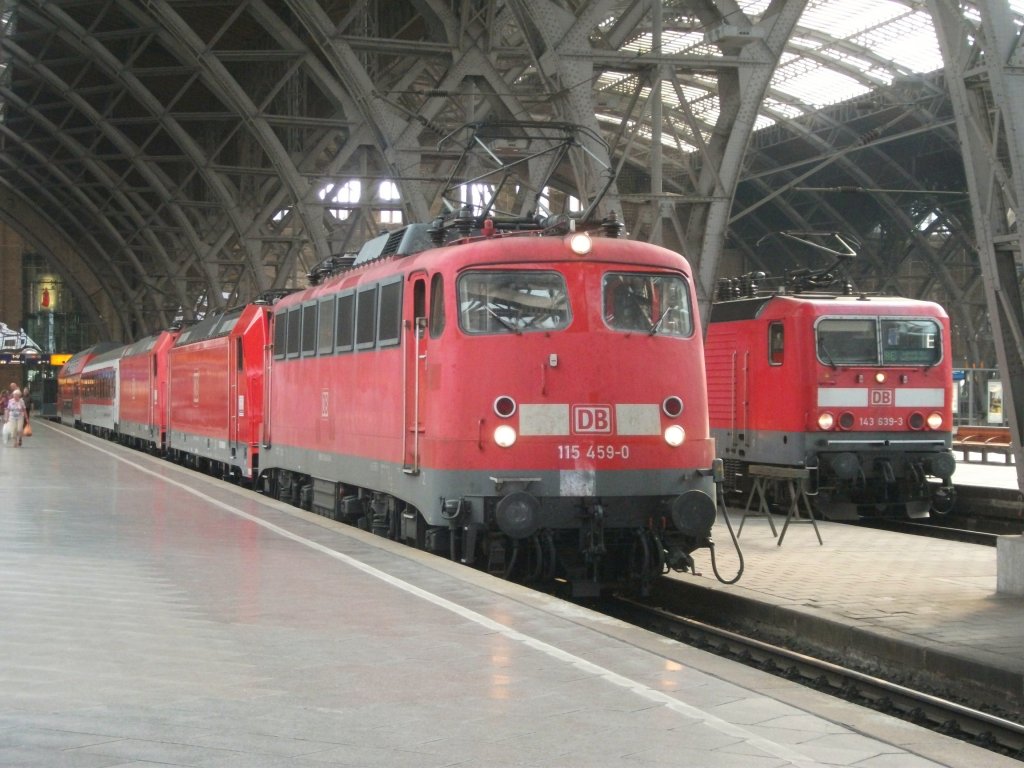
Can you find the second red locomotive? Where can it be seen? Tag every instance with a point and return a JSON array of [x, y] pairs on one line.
[[855, 388]]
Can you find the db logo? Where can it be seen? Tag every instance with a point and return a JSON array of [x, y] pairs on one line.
[[592, 419], [883, 396]]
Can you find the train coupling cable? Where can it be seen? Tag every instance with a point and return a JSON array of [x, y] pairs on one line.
[[720, 493]]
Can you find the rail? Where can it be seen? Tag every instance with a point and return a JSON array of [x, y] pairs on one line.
[[985, 442]]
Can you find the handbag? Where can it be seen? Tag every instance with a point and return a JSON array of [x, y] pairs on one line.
[[27, 431]]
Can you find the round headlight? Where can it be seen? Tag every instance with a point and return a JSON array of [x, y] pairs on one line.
[[846, 420], [504, 406], [672, 406], [934, 420], [916, 420], [675, 435], [826, 421], [580, 244], [880, 377], [505, 436]]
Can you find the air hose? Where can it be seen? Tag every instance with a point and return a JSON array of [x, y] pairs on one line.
[[735, 541]]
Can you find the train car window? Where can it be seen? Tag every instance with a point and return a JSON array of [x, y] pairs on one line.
[[436, 306], [648, 302], [294, 331], [775, 344], [309, 329], [910, 341], [345, 328], [325, 333], [366, 317], [280, 335], [389, 318], [848, 341], [512, 302]]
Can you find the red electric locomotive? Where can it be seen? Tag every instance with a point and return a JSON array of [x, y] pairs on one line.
[[143, 391], [855, 388], [69, 395], [531, 402], [215, 391]]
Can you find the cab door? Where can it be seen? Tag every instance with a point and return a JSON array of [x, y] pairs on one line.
[[414, 367]]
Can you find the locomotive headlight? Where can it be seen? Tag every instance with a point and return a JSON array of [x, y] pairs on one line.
[[675, 435], [505, 436], [826, 421], [934, 420], [880, 377], [580, 243]]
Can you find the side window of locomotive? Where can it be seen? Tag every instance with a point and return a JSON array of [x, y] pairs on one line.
[[651, 303], [389, 318], [910, 341], [345, 327], [294, 331], [436, 306], [309, 329], [280, 335], [512, 302], [325, 327], [847, 341], [366, 317], [775, 344]]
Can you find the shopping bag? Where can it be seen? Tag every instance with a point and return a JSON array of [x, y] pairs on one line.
[[27, 431]]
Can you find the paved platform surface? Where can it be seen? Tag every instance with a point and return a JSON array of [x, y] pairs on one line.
[[151, 616], [881, 597]]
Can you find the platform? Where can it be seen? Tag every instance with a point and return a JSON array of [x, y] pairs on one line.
[[151, 615], [884, 598]]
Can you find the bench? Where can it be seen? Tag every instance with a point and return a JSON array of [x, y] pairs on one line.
[[983, 441]]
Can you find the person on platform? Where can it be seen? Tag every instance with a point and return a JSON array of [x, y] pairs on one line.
[[16, 416]]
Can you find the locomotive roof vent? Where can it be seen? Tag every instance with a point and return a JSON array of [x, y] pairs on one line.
[[401, 242]]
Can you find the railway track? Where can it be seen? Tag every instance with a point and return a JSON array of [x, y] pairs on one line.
[[932, 530], [957, 720]]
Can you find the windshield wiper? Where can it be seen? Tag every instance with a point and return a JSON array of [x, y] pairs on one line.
[[657, 326], [503, 321], [824, 350]]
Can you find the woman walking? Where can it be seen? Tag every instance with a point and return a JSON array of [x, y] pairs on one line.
[[17, 413]]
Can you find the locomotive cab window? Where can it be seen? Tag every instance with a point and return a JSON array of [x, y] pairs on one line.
[[910, 341], [651, 303], [436, 306], [848, 341], [878, 341], [775, 344], [492, 302]]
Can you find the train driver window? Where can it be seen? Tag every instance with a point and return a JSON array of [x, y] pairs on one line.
[[512, 302], [775, 343], [436, 306], [648, 302], [910, 341], [848, 341]]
